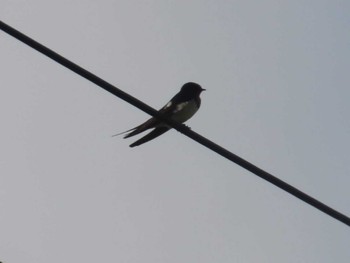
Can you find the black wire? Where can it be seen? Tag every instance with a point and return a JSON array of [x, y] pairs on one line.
[[180, 127]]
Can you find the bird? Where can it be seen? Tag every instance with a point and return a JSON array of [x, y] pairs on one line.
[[180, 108]]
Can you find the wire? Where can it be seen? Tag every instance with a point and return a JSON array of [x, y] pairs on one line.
[[179, 127]]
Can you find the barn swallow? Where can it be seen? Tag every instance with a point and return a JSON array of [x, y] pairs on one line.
[[180, 108]]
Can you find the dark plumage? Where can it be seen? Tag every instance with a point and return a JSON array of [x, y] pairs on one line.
[[180, 108]]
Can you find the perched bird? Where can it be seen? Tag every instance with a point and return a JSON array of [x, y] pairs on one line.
[[180, 108]]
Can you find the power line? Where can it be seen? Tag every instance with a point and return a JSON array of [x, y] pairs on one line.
[[179, 127]]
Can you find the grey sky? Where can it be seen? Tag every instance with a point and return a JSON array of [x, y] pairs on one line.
[[276, 74]]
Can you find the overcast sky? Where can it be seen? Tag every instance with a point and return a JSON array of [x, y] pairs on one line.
[[277, 80]]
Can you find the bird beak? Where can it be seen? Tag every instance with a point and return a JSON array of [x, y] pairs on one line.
[[203, 89]]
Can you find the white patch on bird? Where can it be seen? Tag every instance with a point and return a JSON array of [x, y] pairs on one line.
[[168, 105], [180, 106], [185, 111]]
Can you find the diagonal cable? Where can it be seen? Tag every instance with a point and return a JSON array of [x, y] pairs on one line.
[[179, 127]]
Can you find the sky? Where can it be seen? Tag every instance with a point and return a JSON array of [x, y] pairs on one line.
[[277, 91]]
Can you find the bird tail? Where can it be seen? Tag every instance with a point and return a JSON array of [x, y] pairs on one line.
[[124, 132], [153, 134], [141, 128], [132, 132]]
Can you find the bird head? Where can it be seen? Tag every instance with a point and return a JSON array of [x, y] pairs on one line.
[[192, 89]]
